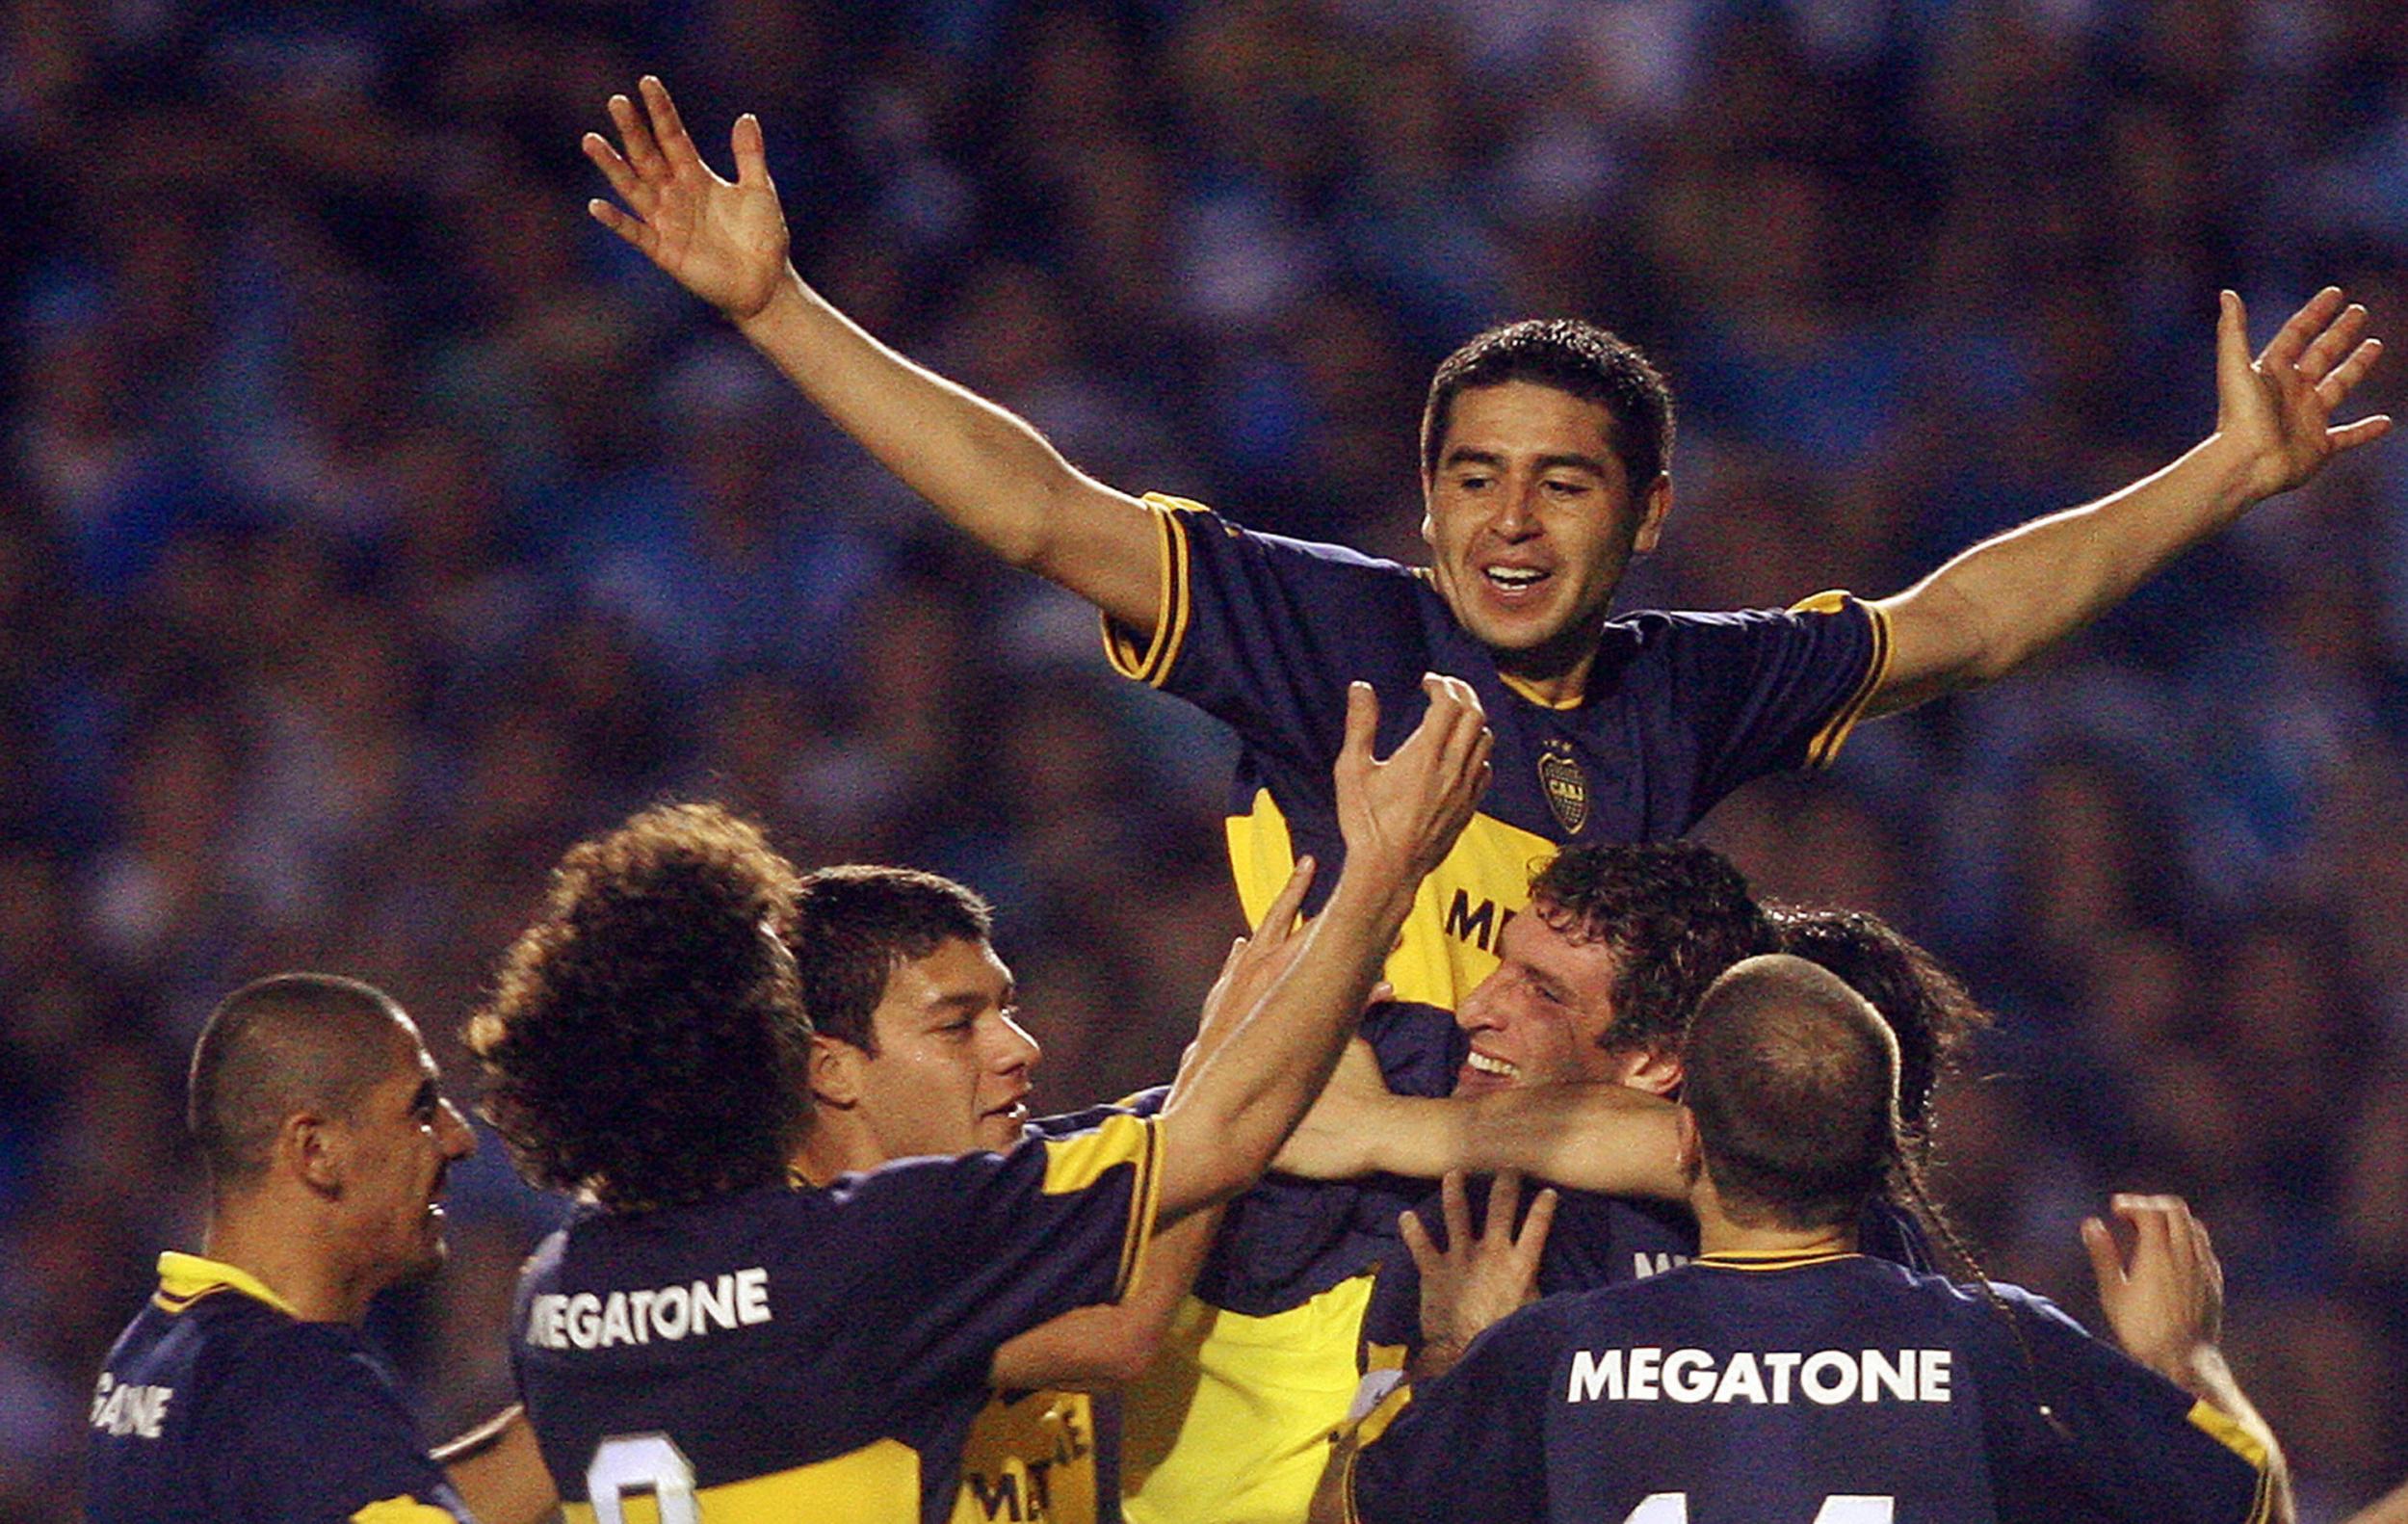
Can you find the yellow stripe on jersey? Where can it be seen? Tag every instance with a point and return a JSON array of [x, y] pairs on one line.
[[1530, 691], [1825, 748], [1233, 1423], [1075, 1162], [1450, 937], [1773, 1258], [2220, 1427], [878, 1482], [1383, 1358], [1030, 1460], [186, 1278], [403, 1510], [1150, 662]]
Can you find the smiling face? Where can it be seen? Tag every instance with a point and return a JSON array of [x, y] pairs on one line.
[[1531, 519], [402, 1140], [1540, 1017], [952, 1068]]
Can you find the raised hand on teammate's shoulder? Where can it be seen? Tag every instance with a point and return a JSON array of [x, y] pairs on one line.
[[722, 239], [1478, 1278], [1401, 816]]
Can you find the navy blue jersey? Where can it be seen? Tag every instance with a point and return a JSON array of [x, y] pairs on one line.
[[1790, 1389], [817, 1353], [1266, 633], [1595, 1241], [218, 1403]]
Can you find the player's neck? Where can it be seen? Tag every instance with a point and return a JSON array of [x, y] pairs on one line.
[[1555, 675], [288, 1259], [1720, 1231], [832, 1146]]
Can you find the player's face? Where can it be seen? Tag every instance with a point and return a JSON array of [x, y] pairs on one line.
[[1538, 1019], [405, 1138], [1530, 520], [953, 1066]]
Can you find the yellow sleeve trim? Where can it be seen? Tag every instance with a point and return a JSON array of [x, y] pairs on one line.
[[2219, 1426], [1825, 748], [1076, 1163], [1150, 662], [403, 1510]]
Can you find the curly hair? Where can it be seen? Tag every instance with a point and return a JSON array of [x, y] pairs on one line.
[[1929, 1009], [1570, 356], [854, 924], [646, 1040], [1675, 914]]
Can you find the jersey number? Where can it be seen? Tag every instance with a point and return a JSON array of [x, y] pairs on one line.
[[634, 1464], [1839, 1508]]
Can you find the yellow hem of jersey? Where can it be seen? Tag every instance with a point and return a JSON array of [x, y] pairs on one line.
[[1825, 748], [1773, 1258], [403, 1510], [186, 1278]]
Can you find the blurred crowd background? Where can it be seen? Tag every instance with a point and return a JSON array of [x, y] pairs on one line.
[[372, 524]]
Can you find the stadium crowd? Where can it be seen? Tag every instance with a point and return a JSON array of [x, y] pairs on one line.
[[375, 525]]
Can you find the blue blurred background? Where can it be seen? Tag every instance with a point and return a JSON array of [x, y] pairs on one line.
[[372, 524]]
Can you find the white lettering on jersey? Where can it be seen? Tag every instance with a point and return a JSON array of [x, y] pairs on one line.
[[1645, 1264], [1649, 1374], [123, 1410], [586, 1320]]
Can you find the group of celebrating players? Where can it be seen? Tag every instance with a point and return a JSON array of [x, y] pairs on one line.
[[822, 1264]]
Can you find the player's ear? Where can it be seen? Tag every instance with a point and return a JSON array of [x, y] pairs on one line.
[[1655, 1070], [311, 1150], [835, 1071], [1655, 504]]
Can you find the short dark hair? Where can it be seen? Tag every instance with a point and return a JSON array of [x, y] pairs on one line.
[[1930, 1010], [1570, 356], [855, 924], [277, 1046], [645, 1040], [1793, 1079], [1675, 914]]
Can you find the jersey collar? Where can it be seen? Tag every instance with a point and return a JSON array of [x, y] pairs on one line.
[[186, 1278], [1773, 1258]]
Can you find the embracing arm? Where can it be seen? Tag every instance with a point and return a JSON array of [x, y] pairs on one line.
[[2008, 599], [1606, 1138], [988, 472], [498, 1471], [1105, 1348]]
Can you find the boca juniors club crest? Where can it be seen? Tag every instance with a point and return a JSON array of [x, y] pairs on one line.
[[1566, 788]]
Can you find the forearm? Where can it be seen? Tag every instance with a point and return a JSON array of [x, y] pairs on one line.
[[498, 1471], [986, 470], [1237, 1103], [1605, 1138], [1100, 1348], [2000, 603]]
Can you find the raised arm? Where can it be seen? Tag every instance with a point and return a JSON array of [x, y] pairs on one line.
[[2165, 1303], [991, 474], [1236, 1103], [2008, 599]]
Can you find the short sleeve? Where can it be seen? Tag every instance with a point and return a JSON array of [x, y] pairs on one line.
[[309, 1429], [972, 1250], [1264, 633], [1470, 1444], [1772, 692], [2125, 1442]]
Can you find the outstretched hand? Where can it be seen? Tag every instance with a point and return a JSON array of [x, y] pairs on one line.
[[1478, 1278], [2279, 407], [724, 241], [2166, 1300], [1403, 815]]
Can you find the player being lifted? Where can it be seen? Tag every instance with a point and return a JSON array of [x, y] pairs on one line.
[[1885, 1394], [702, 1327], [1545, 466]]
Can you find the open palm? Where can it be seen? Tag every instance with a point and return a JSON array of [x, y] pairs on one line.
[[724, 241], [2280, 406]]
